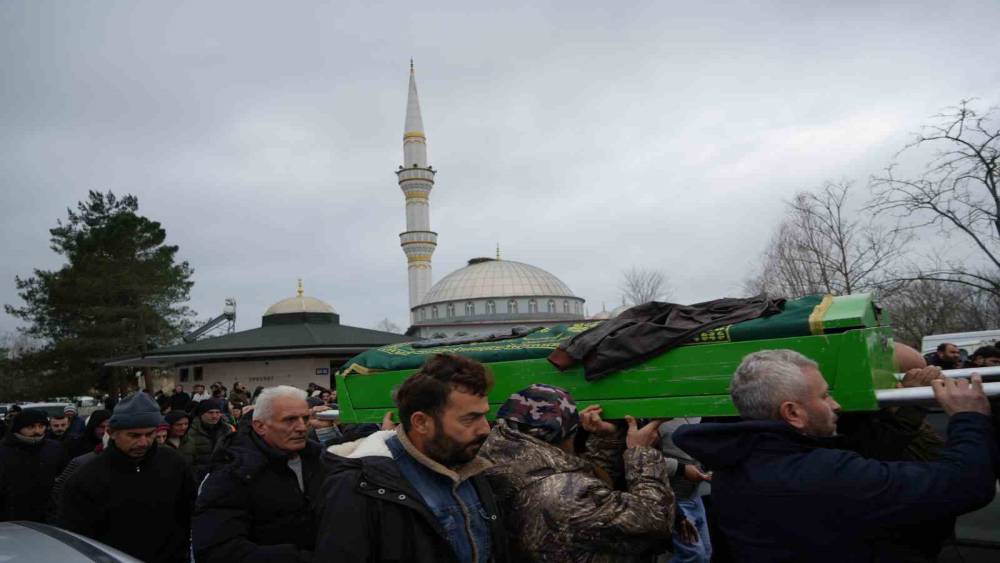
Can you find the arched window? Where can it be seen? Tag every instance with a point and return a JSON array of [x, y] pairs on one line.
[[423, 314], [532, 306], [450, 310], [491, 307], [434, 311], [550, 307], [470, 309], [512, 306], [578, 307], [565, 306]]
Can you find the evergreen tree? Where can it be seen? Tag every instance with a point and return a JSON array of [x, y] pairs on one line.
[[119, 294]]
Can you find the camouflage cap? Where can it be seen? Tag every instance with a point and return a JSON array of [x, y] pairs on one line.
[[543, 411]]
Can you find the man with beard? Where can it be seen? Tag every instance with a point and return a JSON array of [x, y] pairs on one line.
[[133, 488], [784, 492], [29, 464], [58, 429], [417, 493]]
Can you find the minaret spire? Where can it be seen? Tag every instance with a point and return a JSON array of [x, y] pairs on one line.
[[416, 179]]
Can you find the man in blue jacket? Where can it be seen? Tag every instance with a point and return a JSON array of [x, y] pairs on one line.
[[782, 492]]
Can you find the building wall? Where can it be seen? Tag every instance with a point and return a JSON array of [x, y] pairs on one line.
[[450, 330], [499, 307], [298, 372]]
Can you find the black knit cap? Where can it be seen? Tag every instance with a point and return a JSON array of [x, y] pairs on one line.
[[27, 417], [208, 405], [173, 417]]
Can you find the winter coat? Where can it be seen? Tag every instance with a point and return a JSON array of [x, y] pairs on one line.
[[203, 444], [783, 496], [27, 472], [87, 442], [55, 498], [559, 508], [185, 449], [371, 513], [179, 401], [250, 507], [143, 509]]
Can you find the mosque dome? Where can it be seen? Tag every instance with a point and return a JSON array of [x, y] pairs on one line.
[[488, 278], [299, 304], [300, 308]]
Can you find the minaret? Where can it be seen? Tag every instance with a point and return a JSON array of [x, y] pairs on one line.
[[416, 179]]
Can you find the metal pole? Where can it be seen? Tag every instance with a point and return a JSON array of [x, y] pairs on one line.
[[992, 372], [916, 395]]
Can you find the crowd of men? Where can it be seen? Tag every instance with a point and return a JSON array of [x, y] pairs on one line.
[[231, 476]]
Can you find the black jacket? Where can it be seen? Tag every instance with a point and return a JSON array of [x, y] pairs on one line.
[[782, 496], [143, 509], [650, 329], [250, 507], [27, 472], [371, 513]]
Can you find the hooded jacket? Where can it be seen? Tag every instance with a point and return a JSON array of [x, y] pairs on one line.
[[142, 508], [371, 512], [87, 442], [250, 507], [558, 508], [27, 472], [783, 496]]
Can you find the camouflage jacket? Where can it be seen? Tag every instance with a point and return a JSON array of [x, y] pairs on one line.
[[559, 507]]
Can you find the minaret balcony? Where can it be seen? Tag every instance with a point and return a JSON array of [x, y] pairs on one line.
[[418, 237], [426, 174]]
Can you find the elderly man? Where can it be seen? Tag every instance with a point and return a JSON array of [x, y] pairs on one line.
[[782, 492], [29, 464], [556, 505], [134, 495], [417, 493], [255, 503]]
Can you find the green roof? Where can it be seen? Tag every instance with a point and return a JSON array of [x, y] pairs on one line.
[[273, 339]]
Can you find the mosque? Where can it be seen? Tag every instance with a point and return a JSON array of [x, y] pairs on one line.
[[489, 294], [302, 340]]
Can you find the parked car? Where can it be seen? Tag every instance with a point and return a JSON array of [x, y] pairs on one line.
[[31, 541], [51, 409], [3, 412]]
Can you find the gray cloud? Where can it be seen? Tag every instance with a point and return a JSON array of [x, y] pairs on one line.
[[582, 137]]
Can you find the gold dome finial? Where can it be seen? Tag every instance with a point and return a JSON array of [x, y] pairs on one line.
[[411, 65], [301, 291], [498, 251]]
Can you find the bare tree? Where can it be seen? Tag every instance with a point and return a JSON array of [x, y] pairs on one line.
[[925, 307], [641, 285], [957, 193], [821, 248], [387, 325]]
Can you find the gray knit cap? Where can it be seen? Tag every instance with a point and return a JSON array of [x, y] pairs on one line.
[[136, 411]]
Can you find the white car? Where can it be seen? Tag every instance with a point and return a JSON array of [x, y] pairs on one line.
[[31, 541]]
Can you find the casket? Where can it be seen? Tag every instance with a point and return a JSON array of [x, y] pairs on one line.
[[848, 336]]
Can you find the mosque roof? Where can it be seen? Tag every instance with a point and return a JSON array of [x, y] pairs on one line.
[[484, 278]]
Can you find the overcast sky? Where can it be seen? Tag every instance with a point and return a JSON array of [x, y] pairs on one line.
[[584, 137]]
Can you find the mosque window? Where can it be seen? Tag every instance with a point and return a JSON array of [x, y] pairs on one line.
[[434, 311], [532, 306], [470, 309], [578, 308], [491, 307], [184, 374], [199, 373], [450, 310], [551, 306], [565, 306], [512, 306], [423, 314]]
